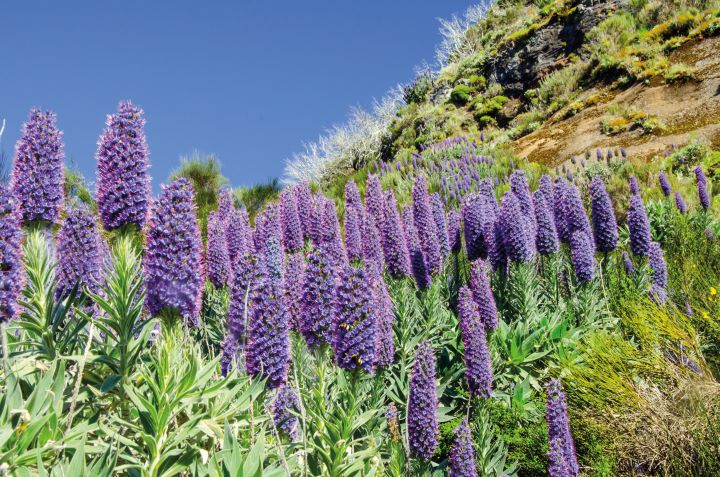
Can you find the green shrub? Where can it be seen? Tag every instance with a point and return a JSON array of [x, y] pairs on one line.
[[460, 94]]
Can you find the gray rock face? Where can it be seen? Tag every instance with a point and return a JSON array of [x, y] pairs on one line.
[[521, 65]]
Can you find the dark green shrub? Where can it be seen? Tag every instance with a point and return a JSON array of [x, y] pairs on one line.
[[460, 94]]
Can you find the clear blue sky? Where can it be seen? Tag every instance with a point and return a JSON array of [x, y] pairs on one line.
[[247, 80]]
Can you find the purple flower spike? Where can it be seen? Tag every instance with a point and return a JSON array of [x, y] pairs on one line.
[[478, 366], [557, 467], [237, 232], [658, 266], [628, 264], [79, 253], [520, 187], [374, 199], [563, 450], [605, 228], [217, 257], [37, 175], [420, 268], [517, 242], [352, 195], [353, 241], [454, 239], [462, 456], [292, 234], [680, 203], [438, 210], [267, 352], [371, 245], [395, 249], [582, 256], [123, 182], [355, 329], [245, 284], [385, 349], [422, 409], [665, 186], [639, 226], [174, 269], [267, 224], [702, 188], [483, 295], [305, 208], [559, 209], [576, 217], [319, 300], [474, 212], [545, 186], [425, 225], [285, 410], [226, 203], [634, 187], [293, 280], [11, 267], [546, 239], [332, 239]]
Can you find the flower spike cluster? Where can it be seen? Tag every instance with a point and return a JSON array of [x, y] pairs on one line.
[[423, 404], [174, 271], [38, 177], [123, 182], [79, 253], [11, 267]]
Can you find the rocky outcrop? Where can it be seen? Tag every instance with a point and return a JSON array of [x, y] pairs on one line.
[[520, 65]]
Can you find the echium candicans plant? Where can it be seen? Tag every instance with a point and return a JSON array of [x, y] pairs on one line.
[[217, 257], [665, 186], [371, 246], [639, 226], [583, 258], [292, 234], [559, 209], [517, 241], [576, 217], [226, 203], [267, 350], [546, 239], [238, 234], [319, 300], [605, 228], [520, 187], [374, 199], [425, 225], [353, 236], [37, 179], [473, 212], [418, 262], [462, 455], [305, 207], [267, 223], [174, 268], [422, 418], [11, 267], [79, 253], [395, 247], [658, 267], [123, 182], [559, 436], [483, 294], [331, 237], [680, 203], [244, 286], [385, 339], [438, 210], [293, 281], [454, 239], [478, 365], [285, 409], [702, 188], [355, 328]]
